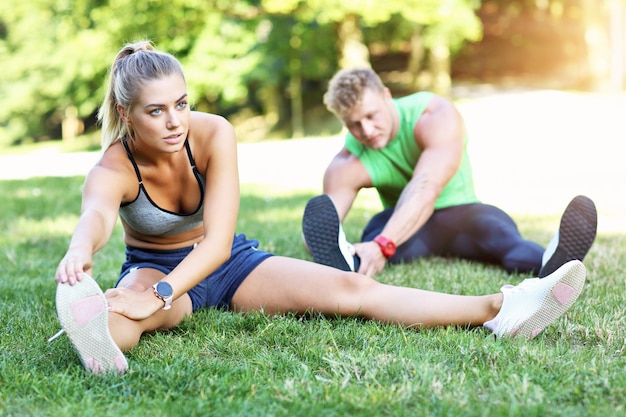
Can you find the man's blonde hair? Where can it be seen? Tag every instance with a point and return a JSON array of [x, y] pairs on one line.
[[346, 88]]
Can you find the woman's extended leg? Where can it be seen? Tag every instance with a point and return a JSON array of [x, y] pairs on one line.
[[280, 285]]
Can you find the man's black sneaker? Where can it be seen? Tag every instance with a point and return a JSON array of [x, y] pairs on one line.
[[324, 235], [575, 236]]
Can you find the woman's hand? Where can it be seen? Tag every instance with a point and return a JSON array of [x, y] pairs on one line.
[[136, 305], [73, 264]]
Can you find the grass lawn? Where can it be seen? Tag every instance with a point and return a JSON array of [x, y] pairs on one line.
[[225, 364]]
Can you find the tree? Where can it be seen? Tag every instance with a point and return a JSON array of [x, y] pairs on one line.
[[436, 25], [32, 81], [254, 58], [38, 89]]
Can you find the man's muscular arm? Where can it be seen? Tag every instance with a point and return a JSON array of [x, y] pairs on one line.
[[440, 134]]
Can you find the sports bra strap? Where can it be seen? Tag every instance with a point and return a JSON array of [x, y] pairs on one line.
[[191, 160], [132, 160]]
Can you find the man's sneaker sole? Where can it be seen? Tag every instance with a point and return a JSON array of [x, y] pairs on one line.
[[83, 314], [568, 285], [321, 226], [577, 232]]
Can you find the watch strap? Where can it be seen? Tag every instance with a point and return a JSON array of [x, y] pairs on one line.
[[387, 246]]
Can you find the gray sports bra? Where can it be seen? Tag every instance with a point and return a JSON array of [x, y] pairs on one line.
[[144, 216]]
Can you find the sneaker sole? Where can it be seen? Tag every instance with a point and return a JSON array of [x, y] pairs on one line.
[[320, 226], [83, 314], [577, 232], [559, 299]]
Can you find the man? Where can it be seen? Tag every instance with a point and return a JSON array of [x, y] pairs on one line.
[[413, 151]]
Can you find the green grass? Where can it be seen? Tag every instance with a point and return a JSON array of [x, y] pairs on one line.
[[225, 364]]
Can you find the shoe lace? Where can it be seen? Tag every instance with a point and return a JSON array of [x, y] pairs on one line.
[[56, 335], [521, 287]]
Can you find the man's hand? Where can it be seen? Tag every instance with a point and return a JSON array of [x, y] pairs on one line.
[[372, 259]]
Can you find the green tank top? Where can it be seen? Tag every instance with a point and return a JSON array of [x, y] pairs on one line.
[[391, 168]]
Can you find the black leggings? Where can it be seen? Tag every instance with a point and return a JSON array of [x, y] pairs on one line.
[[476, 231]]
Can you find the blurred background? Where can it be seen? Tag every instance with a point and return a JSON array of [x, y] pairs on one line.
[[265, 64]]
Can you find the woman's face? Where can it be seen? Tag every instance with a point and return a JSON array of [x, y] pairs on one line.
[[160, 115]]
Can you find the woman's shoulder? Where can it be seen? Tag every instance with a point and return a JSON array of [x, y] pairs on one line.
[[207, 129], [210, 135], [112, 177], [113, 164], [209, 120]]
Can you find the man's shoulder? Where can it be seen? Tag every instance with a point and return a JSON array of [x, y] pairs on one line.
[[419, 96], [412, 107], [348, 169], [344, 158]]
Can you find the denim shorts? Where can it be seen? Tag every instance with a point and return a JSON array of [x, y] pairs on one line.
[[216, 290]]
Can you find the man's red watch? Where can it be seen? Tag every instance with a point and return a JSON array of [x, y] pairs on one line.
[[387, 247]]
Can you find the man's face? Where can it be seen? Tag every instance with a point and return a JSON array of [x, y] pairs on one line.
[[371, 121]]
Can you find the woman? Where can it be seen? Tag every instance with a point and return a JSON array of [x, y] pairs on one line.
[[171, 175]]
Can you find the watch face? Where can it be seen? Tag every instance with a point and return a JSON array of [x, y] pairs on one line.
[[164, 289]]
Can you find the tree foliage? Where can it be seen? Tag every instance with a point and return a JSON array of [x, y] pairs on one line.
[[255, 54]]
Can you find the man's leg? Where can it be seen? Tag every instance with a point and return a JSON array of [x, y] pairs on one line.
[[485, 233], [488, 234], [470, 231]]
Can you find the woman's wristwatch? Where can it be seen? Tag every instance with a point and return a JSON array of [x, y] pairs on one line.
[[164, 291]]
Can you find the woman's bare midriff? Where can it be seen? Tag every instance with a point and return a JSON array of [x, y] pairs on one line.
[[177, 241]]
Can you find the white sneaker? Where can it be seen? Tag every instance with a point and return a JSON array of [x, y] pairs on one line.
[[83, 314], [536, 303], [324, 235]]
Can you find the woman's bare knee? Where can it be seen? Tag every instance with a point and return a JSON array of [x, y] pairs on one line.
[[141, 279], [353, 282]]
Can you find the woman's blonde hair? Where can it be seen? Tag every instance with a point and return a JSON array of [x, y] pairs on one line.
[[134, 64], [346, 88]]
